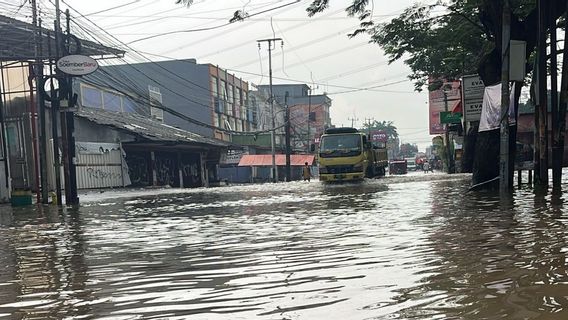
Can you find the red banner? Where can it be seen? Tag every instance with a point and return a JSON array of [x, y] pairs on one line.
[[450, 91]]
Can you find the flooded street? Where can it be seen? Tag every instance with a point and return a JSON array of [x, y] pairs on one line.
[[404, 247]]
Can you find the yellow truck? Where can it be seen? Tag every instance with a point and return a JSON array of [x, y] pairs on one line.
[[347, 154]]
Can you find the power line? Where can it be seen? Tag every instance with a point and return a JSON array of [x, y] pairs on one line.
[[210, 28]]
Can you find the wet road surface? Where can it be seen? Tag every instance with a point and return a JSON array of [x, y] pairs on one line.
[[405, 247]]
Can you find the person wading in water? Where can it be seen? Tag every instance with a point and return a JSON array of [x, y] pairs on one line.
[[306, 173]]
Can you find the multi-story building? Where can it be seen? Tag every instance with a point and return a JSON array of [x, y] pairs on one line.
[[200, 98], [197, 102], [309, 114]]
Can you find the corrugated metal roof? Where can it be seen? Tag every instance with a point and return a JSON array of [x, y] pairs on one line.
[[145, 127], [262, 160], [17, 42]]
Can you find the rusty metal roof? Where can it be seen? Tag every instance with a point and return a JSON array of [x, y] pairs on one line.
[[263, 160], [146, 128], [18, 42]]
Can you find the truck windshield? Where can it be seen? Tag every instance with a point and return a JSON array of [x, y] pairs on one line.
[[347, 145]]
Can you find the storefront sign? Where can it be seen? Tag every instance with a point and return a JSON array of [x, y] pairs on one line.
[[77, 65]]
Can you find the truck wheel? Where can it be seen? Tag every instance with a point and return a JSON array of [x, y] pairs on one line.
[[370, 172]]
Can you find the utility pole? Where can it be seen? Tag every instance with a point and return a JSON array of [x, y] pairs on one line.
[[309, 114], [288, 149], [447, 136], [67, 117], [504, 123], [353, 121], [272, 133], [557, 148], [369, 123], [39, 107], [541, 114]]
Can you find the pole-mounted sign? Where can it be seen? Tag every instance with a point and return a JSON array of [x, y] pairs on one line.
[[77, 65]]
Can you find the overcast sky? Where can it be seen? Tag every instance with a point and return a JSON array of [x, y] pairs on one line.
[[315, 50]]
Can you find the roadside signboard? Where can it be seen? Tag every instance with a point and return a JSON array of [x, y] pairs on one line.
[[77, 65], [473, 89], [450, 117], [450, 93], [378, 136]]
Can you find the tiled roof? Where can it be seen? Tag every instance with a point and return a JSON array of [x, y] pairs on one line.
[[260, 160]]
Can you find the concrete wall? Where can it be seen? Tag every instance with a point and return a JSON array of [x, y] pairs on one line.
[[4, 183], [91, 132]]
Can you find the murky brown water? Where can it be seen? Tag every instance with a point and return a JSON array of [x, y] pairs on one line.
[[414, 247]]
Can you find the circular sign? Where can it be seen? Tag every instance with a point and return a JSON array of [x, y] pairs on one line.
[[77, 65]]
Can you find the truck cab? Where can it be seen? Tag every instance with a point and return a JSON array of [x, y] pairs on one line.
[[346, 154]]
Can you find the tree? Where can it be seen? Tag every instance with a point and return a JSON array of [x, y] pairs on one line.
[[451, 38], [386, 126], [408, 150]]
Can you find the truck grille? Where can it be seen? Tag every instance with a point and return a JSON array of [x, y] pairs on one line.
[[339, 169]]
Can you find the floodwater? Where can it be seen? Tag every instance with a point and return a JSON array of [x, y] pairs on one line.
[[405, 247]]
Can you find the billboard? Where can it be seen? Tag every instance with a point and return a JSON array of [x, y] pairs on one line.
[[378, 136], [450, 93]]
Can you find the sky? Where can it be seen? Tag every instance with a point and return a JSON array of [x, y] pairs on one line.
[[315, 51]]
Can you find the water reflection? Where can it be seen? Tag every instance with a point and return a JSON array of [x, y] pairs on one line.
[[395, 248]]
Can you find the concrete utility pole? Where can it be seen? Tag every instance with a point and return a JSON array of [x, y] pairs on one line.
[[447, 135], [369, 122], [40, 108], [271, 100], [353, 121], [309, 114], [557, 147], [67, 116], [288, 148], [504, 187], [541, 114]]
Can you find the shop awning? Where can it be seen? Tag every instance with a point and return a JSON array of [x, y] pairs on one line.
[[264, 160]]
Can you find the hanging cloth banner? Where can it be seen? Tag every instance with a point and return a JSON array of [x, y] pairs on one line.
[[491, 110]]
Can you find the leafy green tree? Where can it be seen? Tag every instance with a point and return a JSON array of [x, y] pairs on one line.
[[448, 38], [386, 126], [451, 38], [408, 150]]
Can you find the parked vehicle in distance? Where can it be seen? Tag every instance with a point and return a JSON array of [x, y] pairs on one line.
[[410, 164], [398, 166], [346, 154]]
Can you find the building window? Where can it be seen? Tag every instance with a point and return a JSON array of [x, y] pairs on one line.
[[214, 86], [91, 97], [224, 96], [155, 102], [231, 101], [215, 119], [112, 101], [240, 96]]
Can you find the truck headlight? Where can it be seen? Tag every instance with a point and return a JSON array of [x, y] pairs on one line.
[[358, 167], [323, 169]]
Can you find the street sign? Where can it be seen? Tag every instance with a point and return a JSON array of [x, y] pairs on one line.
[[473, 110], [473, 90], [450, 117], [77, 65]]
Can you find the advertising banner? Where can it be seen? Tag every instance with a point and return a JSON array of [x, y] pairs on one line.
[[450, 93]]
